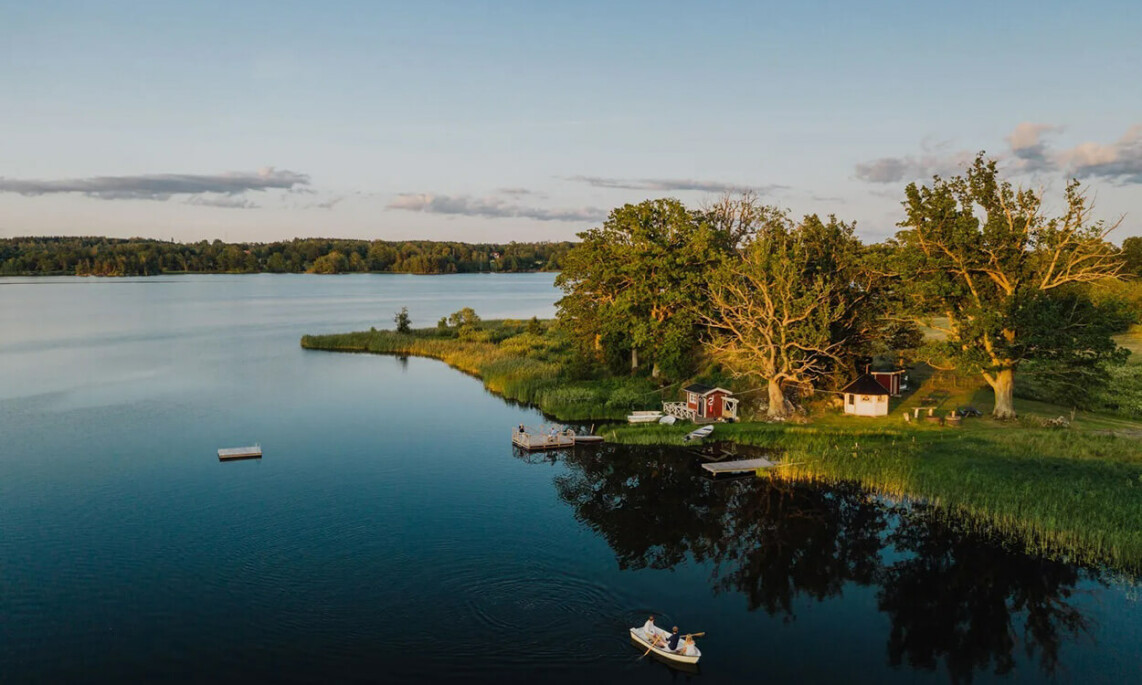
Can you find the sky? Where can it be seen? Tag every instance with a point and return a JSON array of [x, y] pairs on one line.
[[497, 121]]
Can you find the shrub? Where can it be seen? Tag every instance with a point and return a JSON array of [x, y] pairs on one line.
[[403, 322]]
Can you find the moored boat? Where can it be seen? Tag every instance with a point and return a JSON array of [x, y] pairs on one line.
[[639, 636]]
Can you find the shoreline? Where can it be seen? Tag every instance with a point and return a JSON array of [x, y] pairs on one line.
[[1067, 493]]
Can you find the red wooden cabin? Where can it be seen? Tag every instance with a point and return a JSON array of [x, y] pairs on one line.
[[710, 403]]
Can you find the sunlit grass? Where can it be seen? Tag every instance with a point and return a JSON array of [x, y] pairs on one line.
[[521, 366]]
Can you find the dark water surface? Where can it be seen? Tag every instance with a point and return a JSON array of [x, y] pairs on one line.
[[391, 533]]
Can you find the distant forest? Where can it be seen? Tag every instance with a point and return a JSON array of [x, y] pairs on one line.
[[92, 256]]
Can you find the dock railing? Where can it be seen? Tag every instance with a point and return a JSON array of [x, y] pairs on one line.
[[678, 410]]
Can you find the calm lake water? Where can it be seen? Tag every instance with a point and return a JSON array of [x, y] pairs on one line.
[[391, 533]]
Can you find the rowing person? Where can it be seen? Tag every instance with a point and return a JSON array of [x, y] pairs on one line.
[[648, 627], [652, 634], [672, 642]]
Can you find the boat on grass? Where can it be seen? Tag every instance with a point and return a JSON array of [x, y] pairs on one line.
[[639, 637], [667, 420], [699, 433], [643, 416]]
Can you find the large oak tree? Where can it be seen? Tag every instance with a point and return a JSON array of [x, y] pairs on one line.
[[781, 309], [981, 261]]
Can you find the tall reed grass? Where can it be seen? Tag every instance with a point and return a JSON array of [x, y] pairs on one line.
[[1069, 494], [519, 365]]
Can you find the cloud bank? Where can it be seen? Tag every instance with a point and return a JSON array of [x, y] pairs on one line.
[[490, 208], [897, 169], [673, 184], [1120, 161], [1028, 152], [212, 190]]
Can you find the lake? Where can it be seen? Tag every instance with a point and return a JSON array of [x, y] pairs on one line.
[[392, 533]]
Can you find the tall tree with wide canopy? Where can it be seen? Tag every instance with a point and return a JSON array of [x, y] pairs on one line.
[[779, 310], [633, 284], [980, 261]]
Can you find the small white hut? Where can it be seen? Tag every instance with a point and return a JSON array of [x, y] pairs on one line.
[[866, 397]]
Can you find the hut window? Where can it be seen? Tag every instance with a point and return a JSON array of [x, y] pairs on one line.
[[852, 399], [864, 398]]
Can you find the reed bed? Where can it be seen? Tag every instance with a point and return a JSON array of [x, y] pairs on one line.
[[524, 366], [1065, 493]]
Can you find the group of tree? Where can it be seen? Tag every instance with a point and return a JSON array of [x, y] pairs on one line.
[[803, 303], [88, 256]]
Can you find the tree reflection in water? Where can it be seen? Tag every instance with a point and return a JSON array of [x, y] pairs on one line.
[[955, 592]]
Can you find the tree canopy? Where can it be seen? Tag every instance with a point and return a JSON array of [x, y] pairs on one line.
[[93, 256], [634, 285], [980, 260], [780, 310]]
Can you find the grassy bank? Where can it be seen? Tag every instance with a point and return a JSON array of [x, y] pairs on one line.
[[1066, 492], [1071, 492], [522, 361]]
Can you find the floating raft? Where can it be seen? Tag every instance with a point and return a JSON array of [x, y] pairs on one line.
[[740, 466], [252, 452]]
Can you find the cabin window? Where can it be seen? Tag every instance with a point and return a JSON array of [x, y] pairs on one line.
[[864, 398], [852, 399]]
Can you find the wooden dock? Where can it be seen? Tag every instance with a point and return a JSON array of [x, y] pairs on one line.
[[739, 466], [228, 453], [551, 439]]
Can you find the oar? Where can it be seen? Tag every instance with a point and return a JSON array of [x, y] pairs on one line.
[[648, 649], [651, 647]]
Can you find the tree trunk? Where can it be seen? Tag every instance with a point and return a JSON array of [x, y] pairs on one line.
[[654, 372], [1004, 387], [633, 360], [776, 408]]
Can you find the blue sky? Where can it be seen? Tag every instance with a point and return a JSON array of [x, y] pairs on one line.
[[528, 121]]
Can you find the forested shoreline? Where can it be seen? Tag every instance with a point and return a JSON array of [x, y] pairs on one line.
[[98, 256]]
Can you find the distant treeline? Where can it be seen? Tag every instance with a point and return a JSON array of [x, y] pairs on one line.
[[93, 256]]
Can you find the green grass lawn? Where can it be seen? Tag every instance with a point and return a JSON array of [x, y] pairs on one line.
[[1132, 340]]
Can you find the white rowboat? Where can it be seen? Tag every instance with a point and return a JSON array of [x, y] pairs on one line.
[[699, 433], [640, 637], [667, 420], [644, 416]]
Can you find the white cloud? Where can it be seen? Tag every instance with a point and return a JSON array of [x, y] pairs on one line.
[[673, 184], [492, 208], [161, 186]]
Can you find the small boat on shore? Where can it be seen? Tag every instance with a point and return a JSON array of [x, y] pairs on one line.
[[639, 637], [644, 416], [699, 433], [589, 439], [667, 420]]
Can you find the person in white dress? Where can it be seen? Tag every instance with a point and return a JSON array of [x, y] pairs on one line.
[[688, 647]]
